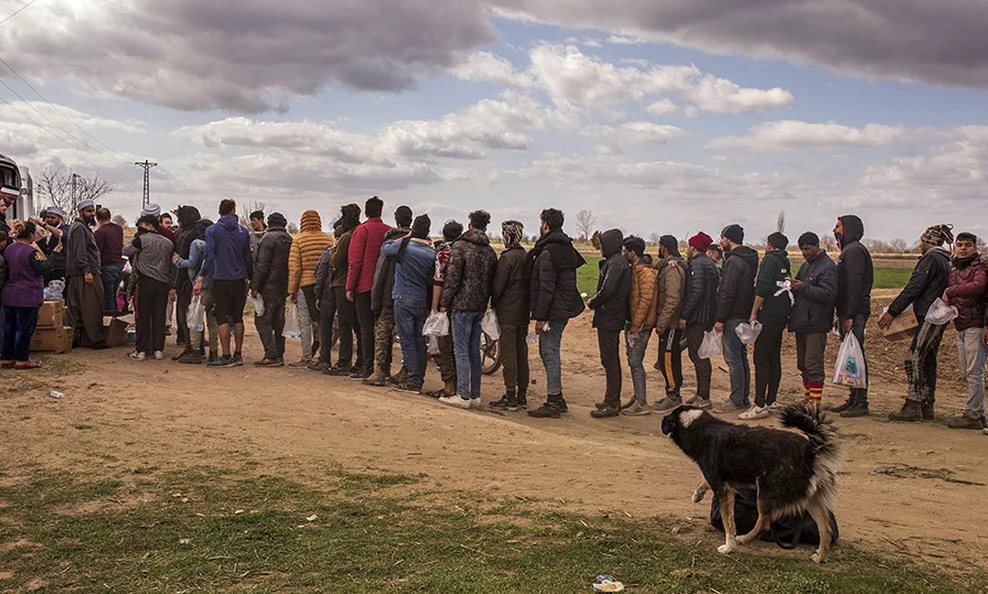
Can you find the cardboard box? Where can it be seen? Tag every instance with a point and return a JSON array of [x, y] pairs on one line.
[[905, 325], [51, 340], [114, 330], [50, 314]]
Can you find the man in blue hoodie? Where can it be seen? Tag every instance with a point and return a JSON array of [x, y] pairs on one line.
[[229, 261]]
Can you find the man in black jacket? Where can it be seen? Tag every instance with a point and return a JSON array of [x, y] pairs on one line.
[[734, 300], [812, 317], [271, 282], [187, 216], [699, 311], [927, 283], [555, 301], [510, 299], [383, 305], [855, 276], [610, 307]]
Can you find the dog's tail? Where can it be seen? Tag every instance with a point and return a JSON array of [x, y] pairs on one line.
[[824, 441]]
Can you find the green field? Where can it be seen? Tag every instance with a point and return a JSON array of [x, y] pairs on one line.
[[885, 278]]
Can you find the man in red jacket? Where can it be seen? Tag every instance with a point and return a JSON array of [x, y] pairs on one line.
[[967, 292], [365, 248]]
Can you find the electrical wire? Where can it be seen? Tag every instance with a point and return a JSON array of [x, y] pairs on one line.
[[18, 11]]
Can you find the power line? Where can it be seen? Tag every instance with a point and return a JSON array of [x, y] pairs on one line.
[[51, 121], [18, 11], [146, 165], [28, 118]]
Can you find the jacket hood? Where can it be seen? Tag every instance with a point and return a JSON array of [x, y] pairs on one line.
[[853, 228], [610, 242], [556, 236], [199, 228], [745, 253], [187, 216], [395, 233], [310, 222], [229, 222], [475, 236]]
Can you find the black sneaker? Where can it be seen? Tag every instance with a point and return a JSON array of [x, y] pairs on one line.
[[607, 411], [839, 408], [336, 371], [360, 376], [101, 346], [855, 410], [213, 357], [179, 356], [238, 359], [223, 362], [928, 411], [190, 358], [911, 412], [317, 366], [549, 410], [407, 387], [505, 403], [522, 402]]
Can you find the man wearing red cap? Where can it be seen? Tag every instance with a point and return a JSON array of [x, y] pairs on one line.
[[699, 311]]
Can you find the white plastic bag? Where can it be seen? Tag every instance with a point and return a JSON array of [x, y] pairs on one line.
[[434, 345], [850, 370], [196, 314], [490, 326], [437, 324], [257, 302], [748, 333], [713, 345], [55, 290], [292, 327], [940, 313]]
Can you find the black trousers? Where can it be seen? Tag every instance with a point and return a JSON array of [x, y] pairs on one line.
[[182, 301], [152, 299], [609, 342], [768, 363], [694, 338], [271, 325], [671, 361], [365, 317], [340, 307]]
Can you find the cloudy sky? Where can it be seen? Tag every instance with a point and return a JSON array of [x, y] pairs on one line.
[[663, 116]]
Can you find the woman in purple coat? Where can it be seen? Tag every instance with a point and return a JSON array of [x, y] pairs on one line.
[[22, 295]]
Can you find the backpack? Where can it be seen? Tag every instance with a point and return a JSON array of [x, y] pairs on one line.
[[787, 532]]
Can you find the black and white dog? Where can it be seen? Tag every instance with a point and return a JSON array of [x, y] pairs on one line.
[[792, 473]]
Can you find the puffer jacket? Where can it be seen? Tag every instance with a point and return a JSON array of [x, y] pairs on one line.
[[642, 304], [968, 292], [271, 263], [469, 273], [700, 298], [554, 265], [929, 280], [384, 275], [737, 284], [512, 287], [671, 284], [855, 271], [814, 308], [774, 271], [307, 247], [610, 304]]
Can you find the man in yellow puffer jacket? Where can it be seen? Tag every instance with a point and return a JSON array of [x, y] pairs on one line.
[[307, 247]]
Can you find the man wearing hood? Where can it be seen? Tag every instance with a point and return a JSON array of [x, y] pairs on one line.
[[271, 283], [855, 277], [469, 277], [510, 299], [812, 318], [555, 301], [382, 304], [187, 216], [229, 261], [929, 280], [302, 264], [365, 249], [670, 286], [734, 300], [968, 291], [190, 267], [699, 312], [84, 289]]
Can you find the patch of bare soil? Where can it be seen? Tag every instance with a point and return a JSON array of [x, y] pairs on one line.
[[124, 419]]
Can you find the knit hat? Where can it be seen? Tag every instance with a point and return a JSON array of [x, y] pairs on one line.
[[276, 219], [701, 241], [670, 243], [151, 209], [735, 233], [937, 235], [512, 233]]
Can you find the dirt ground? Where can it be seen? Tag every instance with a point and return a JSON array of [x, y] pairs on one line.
[[905, 489]]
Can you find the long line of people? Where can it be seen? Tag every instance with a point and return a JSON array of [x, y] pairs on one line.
[[368, 282]]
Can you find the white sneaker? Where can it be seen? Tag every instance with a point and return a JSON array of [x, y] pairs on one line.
[[775, 407], [475, 403], [159, 356], [138, 356], [755, 412], [456, 401]]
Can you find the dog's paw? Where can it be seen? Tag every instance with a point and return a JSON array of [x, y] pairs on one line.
[[818, 558], [698, 495], [726, 549]]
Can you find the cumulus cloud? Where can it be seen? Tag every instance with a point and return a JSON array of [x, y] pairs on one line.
[[640, 133], [485, 66], [793, 135]]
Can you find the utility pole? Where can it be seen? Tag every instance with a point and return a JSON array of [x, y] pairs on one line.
[[146, 165], [75, 176]]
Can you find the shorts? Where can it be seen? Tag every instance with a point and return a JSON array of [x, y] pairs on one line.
[[229, 300]]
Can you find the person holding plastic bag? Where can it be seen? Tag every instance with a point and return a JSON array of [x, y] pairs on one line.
[[191, 267], [928, 282], [812, 317], [610, 313], [734, 299], [699, 312], [443, 351], [270, 283], [773, 302], [510, 299], [415, 260]]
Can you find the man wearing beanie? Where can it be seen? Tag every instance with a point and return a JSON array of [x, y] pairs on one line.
[[734, 300], [699, 311], [773, 302], [271, 283], [383, 306], [302, 263], [929, 280], [415, 260], [610, 313], [670, 285], [815, 289]]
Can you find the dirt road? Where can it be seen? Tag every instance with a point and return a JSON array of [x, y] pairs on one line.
[[120, 416]]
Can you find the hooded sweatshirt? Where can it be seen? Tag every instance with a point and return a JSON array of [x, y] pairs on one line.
[[855, 272], [554, 265], [610, 304], [188, 220], [469, 273], [929, 280], [737, 284], [306, 250], [228, 254]]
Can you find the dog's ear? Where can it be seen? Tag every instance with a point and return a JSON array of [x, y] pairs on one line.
[[668, 423]]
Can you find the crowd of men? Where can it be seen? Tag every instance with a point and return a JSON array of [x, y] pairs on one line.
[[368, 282]]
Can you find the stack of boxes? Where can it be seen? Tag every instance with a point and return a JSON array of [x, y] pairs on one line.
[[51, 335]]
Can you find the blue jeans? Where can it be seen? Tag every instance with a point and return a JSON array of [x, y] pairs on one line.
[[18, 328], [550, 348], [736, 357], [112, 277], [637, 346], [410, 316], [466, 351]]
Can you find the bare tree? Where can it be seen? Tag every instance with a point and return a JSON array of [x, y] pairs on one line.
[[245, 208], [654, 238], [780, 224], [828, 242], [585, 221], [292, 228], [120, 220], [898, 246], [54, 188]]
